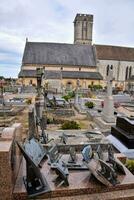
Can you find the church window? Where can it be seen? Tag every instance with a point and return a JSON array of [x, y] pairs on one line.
[[130, 72], [126, 75], [30, 82], [61, 68], [79, 68]]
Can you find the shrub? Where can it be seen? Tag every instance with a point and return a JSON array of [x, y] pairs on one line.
[[95, 87], [29, 101], [69, 96], [130, 165], [70, 125], [89, 104]]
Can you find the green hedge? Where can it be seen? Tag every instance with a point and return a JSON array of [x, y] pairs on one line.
[[70, 125]]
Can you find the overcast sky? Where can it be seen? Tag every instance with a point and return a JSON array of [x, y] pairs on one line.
[[52, 21]]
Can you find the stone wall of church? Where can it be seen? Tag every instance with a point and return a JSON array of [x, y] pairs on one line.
[[59, 67], [119, 70]]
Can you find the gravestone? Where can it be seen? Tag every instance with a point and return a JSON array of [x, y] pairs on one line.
[[62, 172], [32, 123], [34, 182], [64, 138], [124, 131], [115, 164], [35, 150], [77, 92], [73, 156], [87, 153], [108, 110], [108, 172], [53, 154]]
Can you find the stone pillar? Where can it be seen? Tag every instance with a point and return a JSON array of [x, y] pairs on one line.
[[32, 122], [108, 110]]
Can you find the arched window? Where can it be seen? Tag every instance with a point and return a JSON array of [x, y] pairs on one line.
[[126, 75], [130, 71]]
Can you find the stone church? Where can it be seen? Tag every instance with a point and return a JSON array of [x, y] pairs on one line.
[[82, 60]]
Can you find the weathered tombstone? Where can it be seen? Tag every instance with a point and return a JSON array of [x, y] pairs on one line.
[[34, 182], [108, 172], [87, 153], [62, 172], [44, 136], [32, 123], [53, 154], [108, 110], [76, 92], [73, 156], [64, 138]]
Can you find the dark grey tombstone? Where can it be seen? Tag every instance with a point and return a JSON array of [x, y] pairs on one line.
[[108, 173], [34, 181], [53, 154], [32, 123], [62, 172], [44, 136]]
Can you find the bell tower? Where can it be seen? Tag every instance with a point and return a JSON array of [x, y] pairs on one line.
[[83, 25]]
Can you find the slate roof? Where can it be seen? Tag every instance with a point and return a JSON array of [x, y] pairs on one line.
[[107, 52], [65, 74], [59, 54]]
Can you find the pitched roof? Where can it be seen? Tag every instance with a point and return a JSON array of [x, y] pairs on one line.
[[58, 54], [106, 52], [64, 74]]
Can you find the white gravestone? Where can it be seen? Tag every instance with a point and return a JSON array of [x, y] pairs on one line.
[[108, 110]]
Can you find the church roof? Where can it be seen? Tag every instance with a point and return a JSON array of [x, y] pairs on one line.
[[59, 54], [107, 52], [64, 74]]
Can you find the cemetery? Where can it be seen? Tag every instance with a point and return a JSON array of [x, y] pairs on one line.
[[38, 162]]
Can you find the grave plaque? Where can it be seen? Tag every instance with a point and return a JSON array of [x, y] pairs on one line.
[[108, 172], [87, 153], [73, 156], [54, 155], [62, 172], [111, 159], [34, 181], [64, 138]]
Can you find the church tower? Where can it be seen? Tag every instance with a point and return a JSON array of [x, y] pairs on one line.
[[83, 25]]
